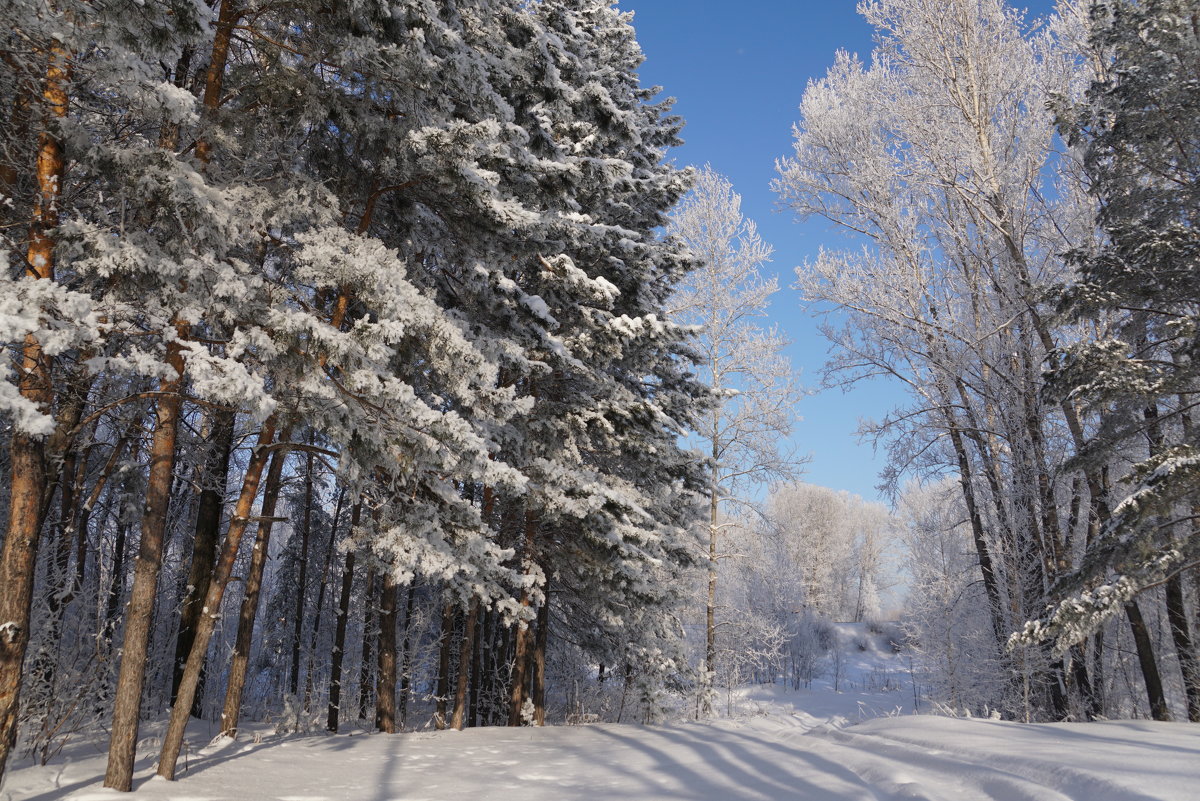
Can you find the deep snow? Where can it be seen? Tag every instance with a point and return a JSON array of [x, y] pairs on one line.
[[781, 744]]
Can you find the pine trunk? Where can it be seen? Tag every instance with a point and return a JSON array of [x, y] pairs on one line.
[[339, 635], [368, 637], [298, 615], [519, 692], [406, 646], [60, 589], [1145, 651], [27, 459], [116, 585], [465, 654], [318, 611], [186, 696], [204, 549], [249, 609], [443, 682], [385, 689], [476, 668], [1181, 636], [211, 609], [539, 662], [139, 616]]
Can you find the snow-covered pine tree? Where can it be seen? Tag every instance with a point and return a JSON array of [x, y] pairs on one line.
[[85, 66], [616, 486]]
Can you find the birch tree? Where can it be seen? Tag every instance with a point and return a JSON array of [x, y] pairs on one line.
[[941, 157], [745, 432]]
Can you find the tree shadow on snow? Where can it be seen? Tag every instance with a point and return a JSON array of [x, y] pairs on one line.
[[748, 775]]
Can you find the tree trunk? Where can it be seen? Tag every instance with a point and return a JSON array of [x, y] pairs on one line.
[[990, 584], [385, 687], [116, 584], [211, 609], [539, 662], [139, 616], [443, 680], [249, 609], [27, 460], [710, 618], [1145, 651], [204, 550], [60, 587], [339, 636], [465, 654], [214, 79], [368, 635], [298, 615], [406, 665], [1181, 635], [520, 676], [318, 612], [476, 668]]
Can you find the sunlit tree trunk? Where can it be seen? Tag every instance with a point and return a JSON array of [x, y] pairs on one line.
[[204, 548], [248, 613], [27, 456], [540, 642], [139, 614], [210, 611]]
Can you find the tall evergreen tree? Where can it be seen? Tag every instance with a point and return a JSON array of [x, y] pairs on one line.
[[1141, 138]]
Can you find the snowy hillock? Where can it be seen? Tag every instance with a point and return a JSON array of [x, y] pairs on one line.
[[862, 672]]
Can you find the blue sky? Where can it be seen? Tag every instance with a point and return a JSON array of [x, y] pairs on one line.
[[737, 71]]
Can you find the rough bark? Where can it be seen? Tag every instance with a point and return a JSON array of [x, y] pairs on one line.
[[443, 681], [116, 584], [305, 537], [385, 687], [211, 609], [1145, 651], [249, 609], [1181, 636], [139, 614], [61, 588], [539, 662], [27, 459], [476, 669], [339, 635], [318, 610], [406, 647], [518, 693], [204, 547], [465, 654], [368, 638]]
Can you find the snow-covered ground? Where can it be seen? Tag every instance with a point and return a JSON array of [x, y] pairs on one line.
[[806, 744]]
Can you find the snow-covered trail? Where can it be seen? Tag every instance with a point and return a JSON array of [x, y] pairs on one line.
[[775, 757]]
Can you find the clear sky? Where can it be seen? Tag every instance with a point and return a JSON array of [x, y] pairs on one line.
[[738, 70]]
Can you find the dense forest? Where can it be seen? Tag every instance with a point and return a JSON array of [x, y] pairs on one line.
[[376, 364]]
